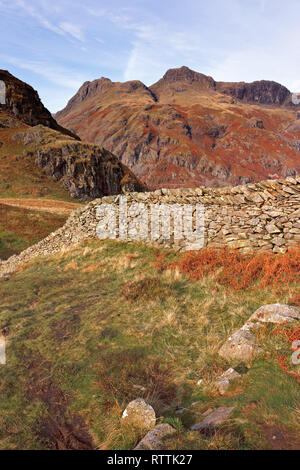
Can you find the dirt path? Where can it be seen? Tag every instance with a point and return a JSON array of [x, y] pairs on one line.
[[44, 205]]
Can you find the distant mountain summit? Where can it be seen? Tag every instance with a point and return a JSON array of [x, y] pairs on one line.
[[186, 75], [262, 92], [188, 129]]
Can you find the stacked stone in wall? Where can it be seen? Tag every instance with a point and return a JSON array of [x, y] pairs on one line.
[[261, 216]]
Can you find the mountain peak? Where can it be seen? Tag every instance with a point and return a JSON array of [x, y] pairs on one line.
[[186, 74], [185, 77]]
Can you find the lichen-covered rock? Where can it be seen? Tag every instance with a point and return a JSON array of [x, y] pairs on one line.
[[213, 419], [276, 313], [154, 439], [139, 414], [241, 345]]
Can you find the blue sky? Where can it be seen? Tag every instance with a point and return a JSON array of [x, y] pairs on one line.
[[56, 45]]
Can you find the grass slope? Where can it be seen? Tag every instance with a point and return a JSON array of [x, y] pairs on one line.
[[95, 326], [21, 228]]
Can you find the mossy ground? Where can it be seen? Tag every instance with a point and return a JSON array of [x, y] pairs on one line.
[[95, 326]]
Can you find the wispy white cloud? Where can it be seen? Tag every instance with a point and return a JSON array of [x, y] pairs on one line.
[[260, 47], [67, 41], [30, 10], [58, 75], [41, 14], [72, 29]]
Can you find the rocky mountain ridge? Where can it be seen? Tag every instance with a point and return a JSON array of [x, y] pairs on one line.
[[189, 130]]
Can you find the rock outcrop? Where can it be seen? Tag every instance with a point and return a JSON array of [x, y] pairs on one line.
[[262, 92], [23, 102], [86, 171], [276, 313], [243, 345]]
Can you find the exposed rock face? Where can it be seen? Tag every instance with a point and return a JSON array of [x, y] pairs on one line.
[[187, 130], [183, 75], [86, 170], [263, 92], [87, 90], [139, 414], [23, 102]]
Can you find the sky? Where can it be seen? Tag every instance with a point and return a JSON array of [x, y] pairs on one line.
[[57, 45]]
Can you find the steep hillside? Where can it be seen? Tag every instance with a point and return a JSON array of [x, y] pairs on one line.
[[93, 327], [40, 162], [24, 103], [188, 130], [43, 167]]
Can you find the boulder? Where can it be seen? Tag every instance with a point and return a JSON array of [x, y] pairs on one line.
[[154, 438], [241, 345], [139, 414], [276, 313], [214, 419]]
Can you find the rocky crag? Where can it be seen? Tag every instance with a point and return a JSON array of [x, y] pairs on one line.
[[23, 102], [188, 130], [256, 217], [29, 134], [84, 170]]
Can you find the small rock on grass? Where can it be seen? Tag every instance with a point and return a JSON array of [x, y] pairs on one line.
[[154, 438], [214, 419], [241, 345], [225, 379], [139, 414]]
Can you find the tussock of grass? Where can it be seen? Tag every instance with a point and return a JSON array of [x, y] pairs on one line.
[[144, 289]]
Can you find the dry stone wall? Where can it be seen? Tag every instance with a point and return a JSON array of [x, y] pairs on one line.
[[263, 216]]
